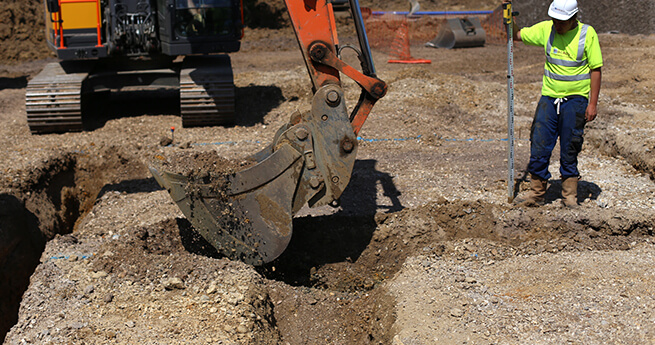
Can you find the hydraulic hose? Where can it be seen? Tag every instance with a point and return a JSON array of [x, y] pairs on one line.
[[356, 11]]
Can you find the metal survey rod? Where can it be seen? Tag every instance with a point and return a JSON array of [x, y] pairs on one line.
[[508, 21]]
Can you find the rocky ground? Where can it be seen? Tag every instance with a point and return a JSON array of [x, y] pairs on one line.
[[424, 249]]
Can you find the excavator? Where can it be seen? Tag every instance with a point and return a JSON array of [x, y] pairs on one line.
[[248, 215], [107, 46], [118, 44]]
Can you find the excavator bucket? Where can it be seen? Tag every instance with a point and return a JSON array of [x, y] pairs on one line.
[[247, 214]]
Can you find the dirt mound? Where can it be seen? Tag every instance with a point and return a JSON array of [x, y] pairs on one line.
[[21, 31], [198, 164]]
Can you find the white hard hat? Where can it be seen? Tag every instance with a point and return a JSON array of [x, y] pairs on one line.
[[563, 9]]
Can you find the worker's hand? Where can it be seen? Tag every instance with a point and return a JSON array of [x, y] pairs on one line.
[[591, 112], [516, 32]]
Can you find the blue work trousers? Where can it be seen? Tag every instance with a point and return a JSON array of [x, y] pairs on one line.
[[547, 125]]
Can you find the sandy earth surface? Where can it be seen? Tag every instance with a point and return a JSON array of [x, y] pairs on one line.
[[424, 248]]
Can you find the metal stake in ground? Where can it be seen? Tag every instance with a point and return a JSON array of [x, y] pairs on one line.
[[508, 21]]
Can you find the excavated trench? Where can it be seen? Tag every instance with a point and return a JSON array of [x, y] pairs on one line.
[[40, 209], [349, 254], [49, 202]]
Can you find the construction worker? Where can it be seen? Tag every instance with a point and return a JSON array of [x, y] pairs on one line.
[[571, 84]]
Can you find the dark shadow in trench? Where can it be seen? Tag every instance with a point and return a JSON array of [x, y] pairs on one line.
[[340, 237], [20, 250], [144, 185], [13, 83]]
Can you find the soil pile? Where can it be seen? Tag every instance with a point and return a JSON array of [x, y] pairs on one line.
[[197, 165], [22, 28]]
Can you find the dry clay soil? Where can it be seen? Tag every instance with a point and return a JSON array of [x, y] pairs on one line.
[[424, 248]]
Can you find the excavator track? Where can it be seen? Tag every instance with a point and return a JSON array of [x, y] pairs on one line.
[[207, 91], [53, 100]]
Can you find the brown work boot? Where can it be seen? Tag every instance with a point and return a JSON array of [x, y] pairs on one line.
[[570, 192], [537, 191]]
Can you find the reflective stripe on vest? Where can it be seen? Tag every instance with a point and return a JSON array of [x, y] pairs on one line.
[[560, 77], [579, 62]]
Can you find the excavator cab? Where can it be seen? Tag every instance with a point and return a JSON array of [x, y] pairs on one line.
[[195, 18], [200, 26], [248, 214]]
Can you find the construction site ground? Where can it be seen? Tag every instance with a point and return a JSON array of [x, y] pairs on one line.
[[424, 249]]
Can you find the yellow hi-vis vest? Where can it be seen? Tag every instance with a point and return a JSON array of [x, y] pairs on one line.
[[569, 58], [549, 70]]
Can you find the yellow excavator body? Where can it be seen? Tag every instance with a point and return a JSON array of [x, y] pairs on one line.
[[79, 15]]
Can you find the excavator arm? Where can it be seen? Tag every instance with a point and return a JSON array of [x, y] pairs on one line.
[[248, 215]]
